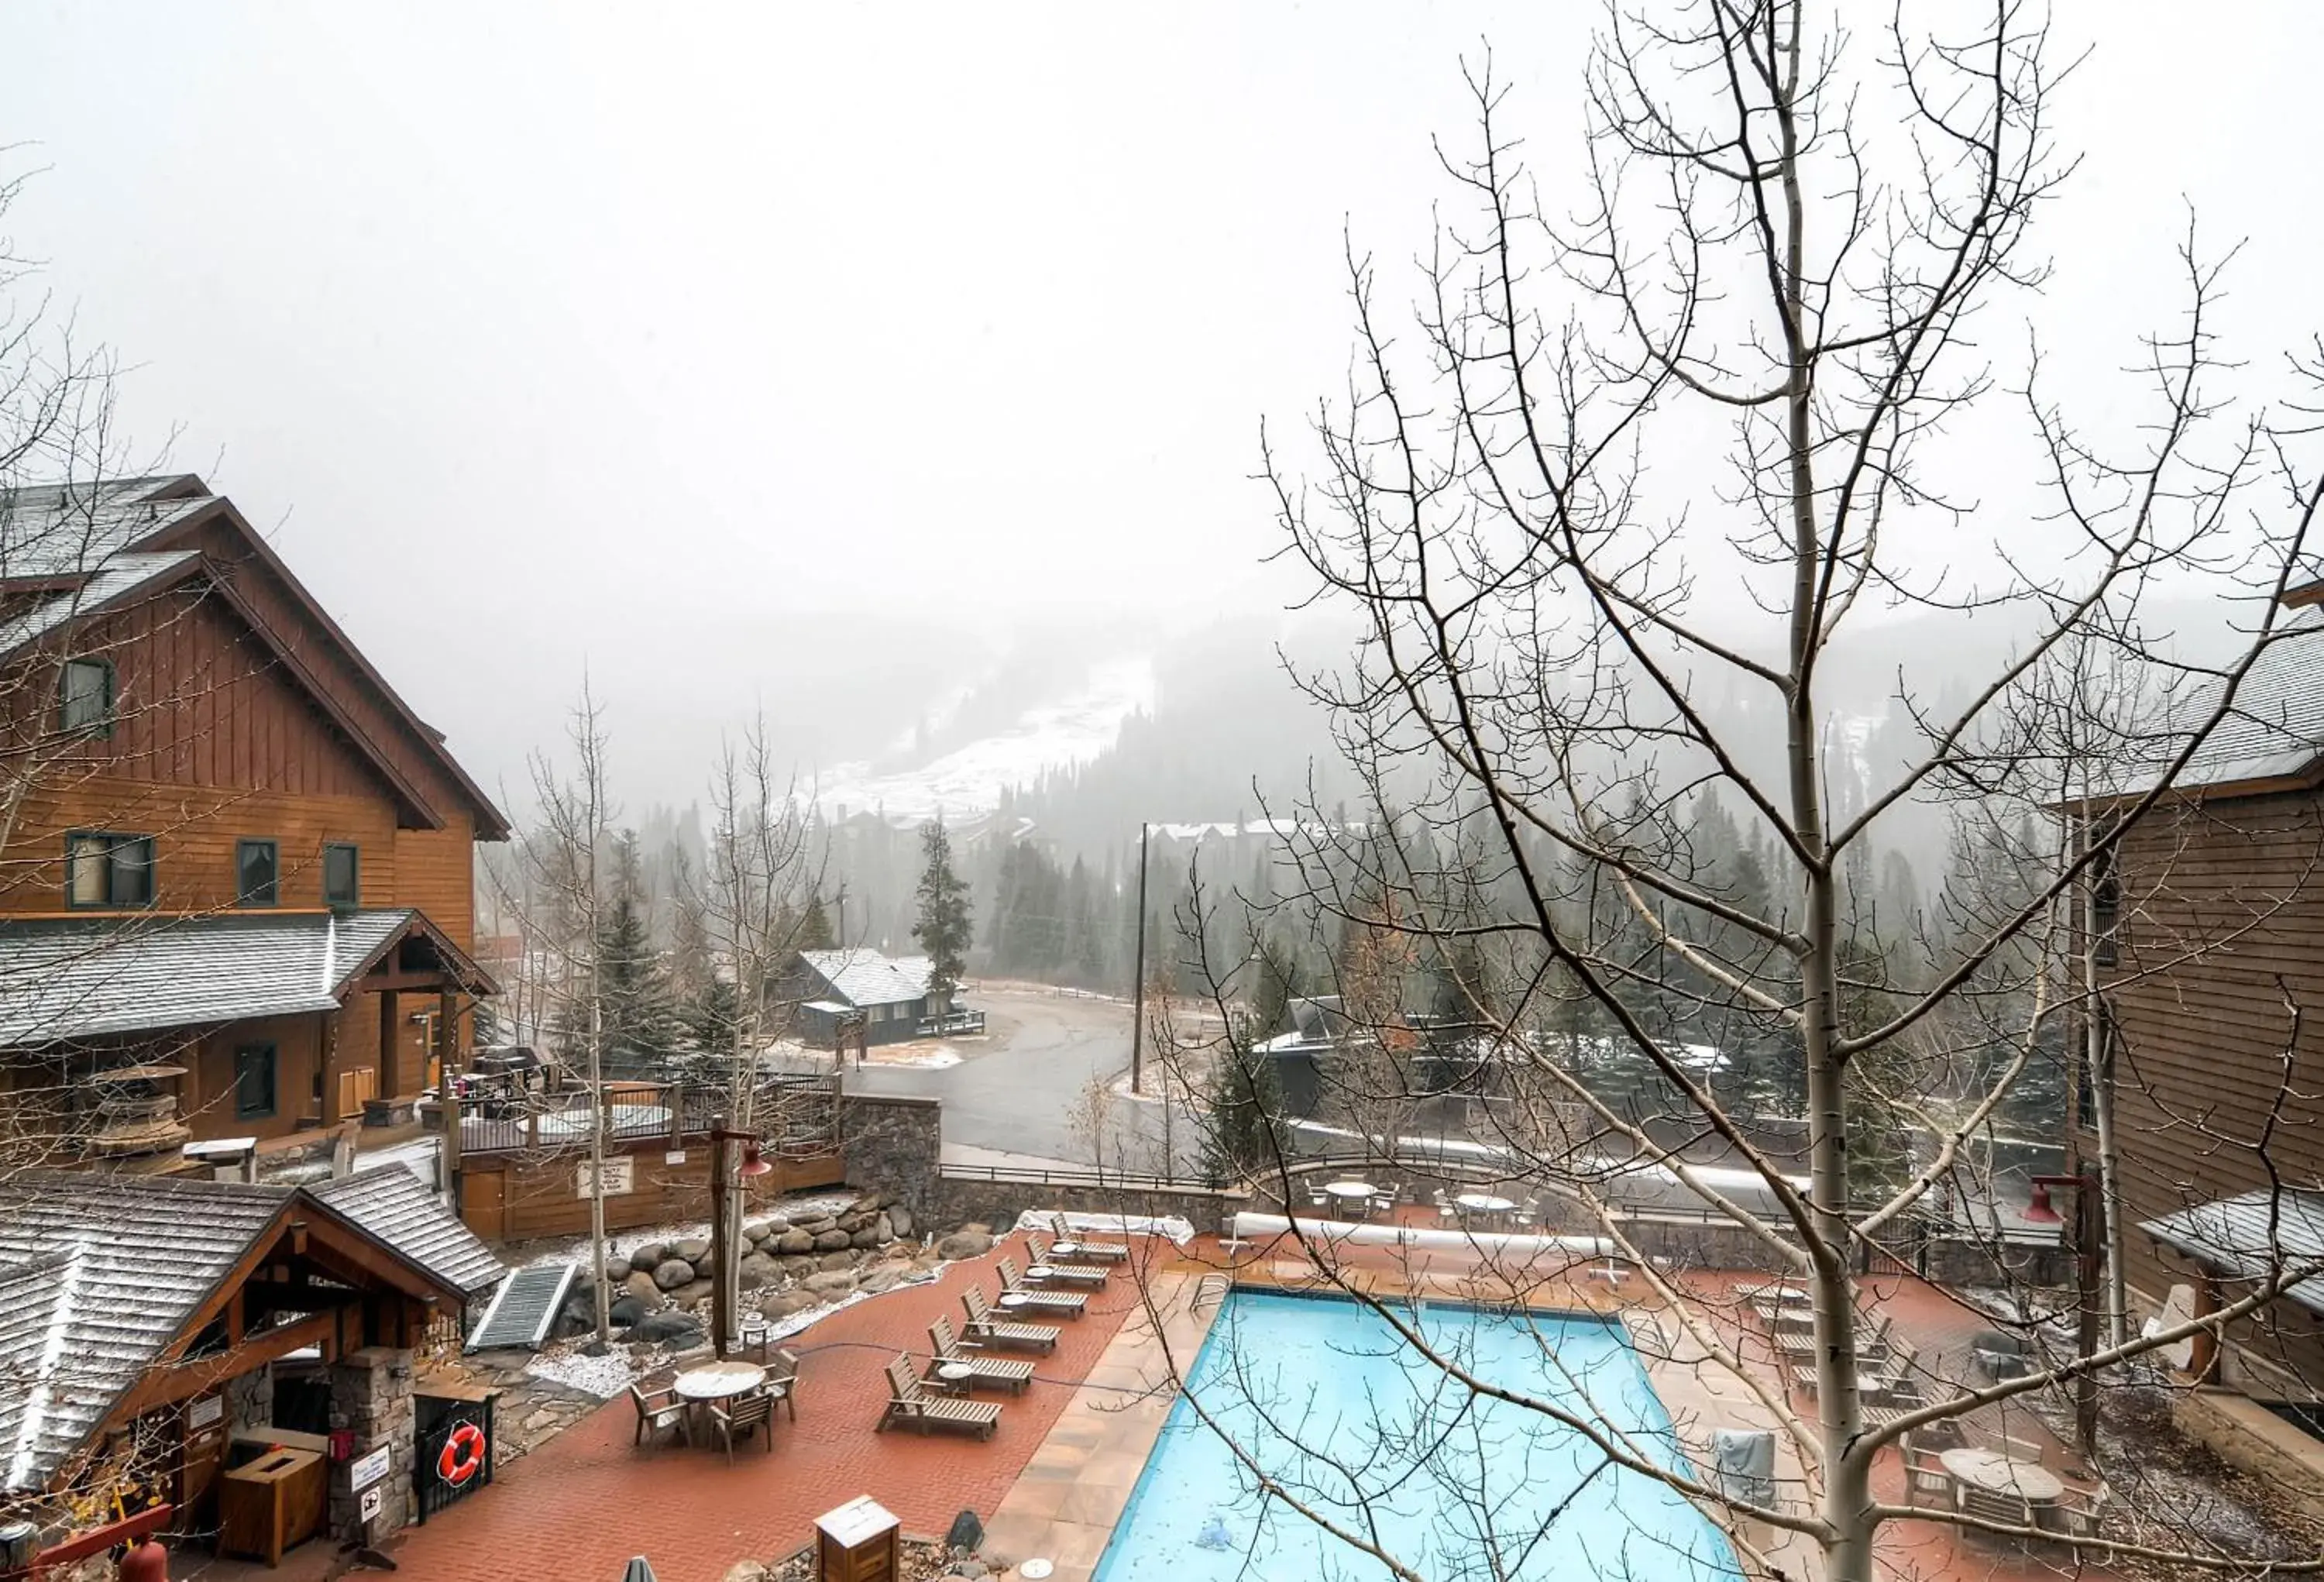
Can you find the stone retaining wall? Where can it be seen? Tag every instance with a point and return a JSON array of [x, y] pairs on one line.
[[967, 1197], [893, 1145]]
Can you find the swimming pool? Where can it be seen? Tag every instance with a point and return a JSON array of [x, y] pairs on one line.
[[1320, 1393]]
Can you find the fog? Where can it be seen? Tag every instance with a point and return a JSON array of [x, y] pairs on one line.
[[833, 359]]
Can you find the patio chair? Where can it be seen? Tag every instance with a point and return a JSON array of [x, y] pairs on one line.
[[1048, 1270], [1925, 1475], [1063, 1304], [2082, 1513], [985, 1330], [744, 1415], [1384, 1200], [1086, 1251], [998, 1373], [1991, 1505], [659, 1411], [2019, 1449], [782, 1381], [910, 1403]]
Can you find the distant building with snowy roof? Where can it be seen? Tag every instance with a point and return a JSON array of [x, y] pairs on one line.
[[890, 993]]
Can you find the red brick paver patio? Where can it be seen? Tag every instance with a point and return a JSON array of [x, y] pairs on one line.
[[581, 1506]]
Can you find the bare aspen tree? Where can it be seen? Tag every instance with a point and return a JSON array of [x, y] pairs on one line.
[[563, 903], [1767, 354]]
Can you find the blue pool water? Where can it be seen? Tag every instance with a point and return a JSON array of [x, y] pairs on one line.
[[1321, 1393]]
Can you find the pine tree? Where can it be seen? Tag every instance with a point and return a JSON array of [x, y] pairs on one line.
[[640, 1023], [944, 929], [1243, 1127], [815, 926]]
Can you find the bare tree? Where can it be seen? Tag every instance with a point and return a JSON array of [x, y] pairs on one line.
[[1761, 356]]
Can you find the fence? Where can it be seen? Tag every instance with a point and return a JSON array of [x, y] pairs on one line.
[[640, 1113], [957, 1021]]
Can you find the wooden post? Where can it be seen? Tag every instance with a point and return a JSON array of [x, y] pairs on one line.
[[2203, 1346], [447, 1038], [391, 1067], [722, 1288]]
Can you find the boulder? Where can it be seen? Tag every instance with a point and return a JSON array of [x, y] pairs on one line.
[[747, 1572], [795, 1241], [672, 1272], [968, 1242], [691, 1292], [668, 1329], [965, 1535], [882, 1277], [646, 1256], [899, 1219], [817, 1225], [626, 1311], [782, 1307], [832, 1283], [796, 1268], [640, 1285], [831, 1240], [869, 1236], [884, 1229], [617, 1270], [759, 1230], [693, 1249], [831, 1261], [755, 1270]]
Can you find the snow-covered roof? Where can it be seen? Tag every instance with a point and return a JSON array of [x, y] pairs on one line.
[[2274, 729], [863, 977], [2258, 1236]]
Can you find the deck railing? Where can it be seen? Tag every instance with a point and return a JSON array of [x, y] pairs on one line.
[[796, 1114], [957, 1021]]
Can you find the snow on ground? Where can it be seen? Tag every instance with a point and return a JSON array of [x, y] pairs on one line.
[[1070, 731]]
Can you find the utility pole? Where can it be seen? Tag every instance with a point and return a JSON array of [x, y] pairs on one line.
[[1138, 994]]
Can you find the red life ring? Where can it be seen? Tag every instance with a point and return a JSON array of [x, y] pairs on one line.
[[462, 1456]]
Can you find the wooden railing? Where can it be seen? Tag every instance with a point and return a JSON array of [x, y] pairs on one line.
[[795, 1114]]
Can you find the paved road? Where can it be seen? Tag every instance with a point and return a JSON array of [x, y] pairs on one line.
[[1016, 1090]]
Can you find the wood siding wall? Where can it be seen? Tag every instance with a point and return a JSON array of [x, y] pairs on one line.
[[435, 870], [516, 1198], [2222, 937]]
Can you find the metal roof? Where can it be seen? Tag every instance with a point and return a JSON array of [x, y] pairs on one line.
[[393, 1206], [64, 979], [866, 977], [97, 1274], [2259, 1236], [59, 530]]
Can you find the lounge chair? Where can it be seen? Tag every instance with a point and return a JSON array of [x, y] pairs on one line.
[[985, 1330], [1085, 1251], [659, 1410], [1048, 1270], [1063, 1304], [745, 1415], [910, 1403], [988, 1371]]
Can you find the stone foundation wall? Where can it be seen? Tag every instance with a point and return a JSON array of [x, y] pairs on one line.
[[893, 1145], [371, 1393]]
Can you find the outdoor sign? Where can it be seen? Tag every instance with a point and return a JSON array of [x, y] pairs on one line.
[[373, 1498], [621, 1177], [367, 1469], [205, 1411], [674, 1156]]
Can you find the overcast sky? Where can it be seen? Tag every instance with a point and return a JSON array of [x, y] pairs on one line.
[[546, 333]]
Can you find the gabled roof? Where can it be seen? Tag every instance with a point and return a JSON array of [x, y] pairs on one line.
[[103, 1274], [395, 1209], [99, 1274], [97, 546], [866, 977], [75, 978], [2258, 1236]]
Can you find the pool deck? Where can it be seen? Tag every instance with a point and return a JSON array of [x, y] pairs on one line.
[[1064, 1506]]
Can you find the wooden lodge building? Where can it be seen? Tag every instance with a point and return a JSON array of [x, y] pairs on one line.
[[236, 870], [2209, 929], [229, 1364]]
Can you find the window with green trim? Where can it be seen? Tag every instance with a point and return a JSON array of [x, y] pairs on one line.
[[84, 697], [342, 874], [257, 873], [105, 868]]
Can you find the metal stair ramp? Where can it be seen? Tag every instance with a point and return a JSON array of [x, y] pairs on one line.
[[524, 1308]]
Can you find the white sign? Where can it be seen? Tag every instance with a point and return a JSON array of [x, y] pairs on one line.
[[674, 1156], [621, 1177], [204, 1412], [368, 1468], [372, 1500]]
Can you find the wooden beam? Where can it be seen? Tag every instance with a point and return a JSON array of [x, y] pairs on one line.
[[163, 1386], [443, 982]]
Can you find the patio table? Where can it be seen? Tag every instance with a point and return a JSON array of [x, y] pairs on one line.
[[703, 1387], [1345, 1194], [2003, 1474], [1484, 1203]]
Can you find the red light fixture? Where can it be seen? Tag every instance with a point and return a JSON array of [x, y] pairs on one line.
[[2038, 1211], [754, 1164]]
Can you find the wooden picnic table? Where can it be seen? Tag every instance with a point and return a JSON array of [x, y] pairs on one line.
[[2003, 1474]]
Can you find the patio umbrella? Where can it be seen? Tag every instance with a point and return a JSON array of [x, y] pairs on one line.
[[640, 1569]]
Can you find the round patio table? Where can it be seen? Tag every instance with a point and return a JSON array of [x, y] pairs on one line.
[[1013, 1298], [956, 1373], [1484, 1203], [700, 1387], [1351, 1189], [2003, 1474]]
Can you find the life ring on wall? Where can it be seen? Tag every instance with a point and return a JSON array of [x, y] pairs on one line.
[[462, 1456]]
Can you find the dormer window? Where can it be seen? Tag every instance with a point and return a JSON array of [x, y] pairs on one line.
[[85, 697]]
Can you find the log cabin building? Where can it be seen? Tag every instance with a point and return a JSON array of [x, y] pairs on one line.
[[236, 870], [2208, 926]]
